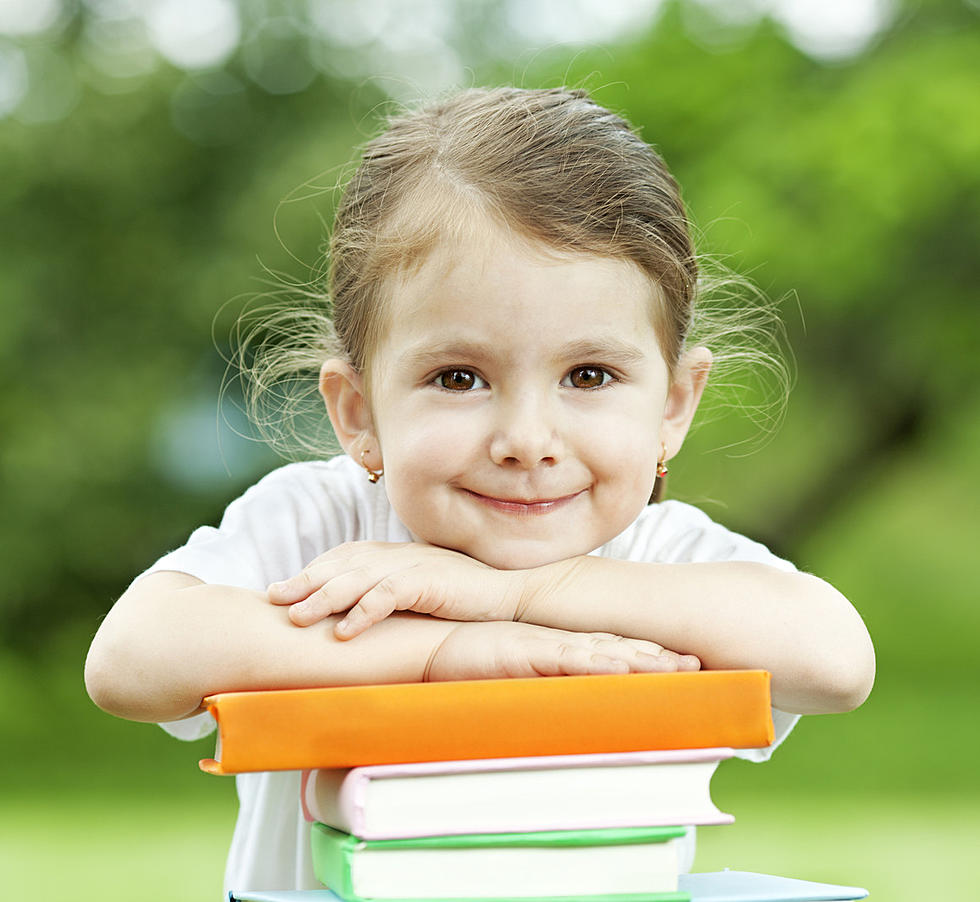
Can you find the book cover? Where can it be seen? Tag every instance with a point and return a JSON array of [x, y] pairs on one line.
[[716, 886], [745, 886], [325, 895], [346, 726], [512, 795], [545, 865]]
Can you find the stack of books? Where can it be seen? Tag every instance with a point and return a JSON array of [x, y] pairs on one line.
[[573, 788], [566, 826]]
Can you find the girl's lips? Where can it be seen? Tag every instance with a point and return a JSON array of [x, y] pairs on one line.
[[525, 507]]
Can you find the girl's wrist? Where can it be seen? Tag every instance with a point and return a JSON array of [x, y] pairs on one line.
[[509, 594], [538, 588]]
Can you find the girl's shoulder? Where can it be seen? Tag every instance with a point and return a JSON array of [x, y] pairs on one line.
[[677, 532], [323, 484], [338, 470], [283, 521], [329, 497]]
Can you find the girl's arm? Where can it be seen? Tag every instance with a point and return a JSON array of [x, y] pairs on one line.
[[728, 614], [170, 640]]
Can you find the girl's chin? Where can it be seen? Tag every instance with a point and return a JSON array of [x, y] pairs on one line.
[[520, 558]]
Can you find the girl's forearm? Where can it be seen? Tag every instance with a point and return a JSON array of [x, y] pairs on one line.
[[731, 615], [171, 640]]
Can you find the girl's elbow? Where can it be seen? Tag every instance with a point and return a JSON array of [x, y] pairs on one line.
[[857, 678], [120, 682], [844, 665], [834, 683], [104, 679]]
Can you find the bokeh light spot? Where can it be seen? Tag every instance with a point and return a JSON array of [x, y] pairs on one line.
[[194, 34], [13, 78]]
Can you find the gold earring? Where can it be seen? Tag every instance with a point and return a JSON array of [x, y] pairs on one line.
[[661, 464], [372, 475]]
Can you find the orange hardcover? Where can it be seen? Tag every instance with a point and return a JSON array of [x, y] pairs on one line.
[[347, 726]]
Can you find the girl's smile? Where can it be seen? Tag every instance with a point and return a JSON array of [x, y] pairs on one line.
[[519, 399], [529, 507]]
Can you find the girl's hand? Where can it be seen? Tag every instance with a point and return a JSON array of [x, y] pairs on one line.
[[371, 580], [480, 651]]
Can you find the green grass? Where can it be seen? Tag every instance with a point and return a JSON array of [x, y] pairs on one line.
[[89, 849], [902, 849], [887, 797], [163, 850]]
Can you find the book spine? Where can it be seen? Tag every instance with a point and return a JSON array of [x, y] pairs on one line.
[[335, 797], [352, 801], [550, 839], [359, 725], [333, 853]]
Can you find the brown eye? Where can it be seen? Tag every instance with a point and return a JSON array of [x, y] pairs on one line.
[[587, 377], [458, 380]]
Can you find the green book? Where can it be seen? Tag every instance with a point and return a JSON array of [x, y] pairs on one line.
[[636, 864]]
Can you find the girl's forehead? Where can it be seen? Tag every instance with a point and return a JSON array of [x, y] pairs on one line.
[[519, 291], [450, 271], [486, 251]]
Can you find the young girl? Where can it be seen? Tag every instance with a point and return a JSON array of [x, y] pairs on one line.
[[507, 368]]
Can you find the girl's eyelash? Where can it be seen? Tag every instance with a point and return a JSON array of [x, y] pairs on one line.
[[458, 379], [588, 374], [585, 377]]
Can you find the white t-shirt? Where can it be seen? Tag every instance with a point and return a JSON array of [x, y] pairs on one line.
[[301, 510]]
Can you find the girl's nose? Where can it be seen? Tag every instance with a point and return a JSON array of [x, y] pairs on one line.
[[526, 434]]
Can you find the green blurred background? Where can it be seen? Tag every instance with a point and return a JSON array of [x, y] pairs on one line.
[[162, 161]]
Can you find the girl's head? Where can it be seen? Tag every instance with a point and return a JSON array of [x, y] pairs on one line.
[[519, 402], [512, 284], [549, 165]]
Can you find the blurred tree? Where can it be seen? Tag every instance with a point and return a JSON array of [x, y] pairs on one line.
[[853, 191], [129, 221]]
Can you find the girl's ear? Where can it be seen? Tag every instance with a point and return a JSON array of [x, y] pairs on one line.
[[683, 398], [342, 388]]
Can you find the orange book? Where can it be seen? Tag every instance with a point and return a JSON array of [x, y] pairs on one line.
[[348, 726]]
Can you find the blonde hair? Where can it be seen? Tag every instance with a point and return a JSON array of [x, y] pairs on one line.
[[551, 165]]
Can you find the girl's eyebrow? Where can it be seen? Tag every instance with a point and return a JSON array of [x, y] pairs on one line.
[[441, 352], [612, 349], [604, 348]]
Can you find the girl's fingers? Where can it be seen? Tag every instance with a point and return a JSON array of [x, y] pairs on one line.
[[599, 664], [305, 583], [291, 590], [642, 656], [333, 594], [595, 653], [344, 570], [572, 659], [369, 595], [381, 601], [315, 575]]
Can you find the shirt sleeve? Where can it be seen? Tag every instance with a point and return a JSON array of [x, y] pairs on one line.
[[676, 533], [270, 533], [191, 728], [275, 528]]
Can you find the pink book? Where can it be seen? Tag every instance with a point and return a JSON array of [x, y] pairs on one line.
[[517, 795]]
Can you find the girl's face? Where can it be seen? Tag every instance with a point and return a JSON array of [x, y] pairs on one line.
[[519, 400]]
